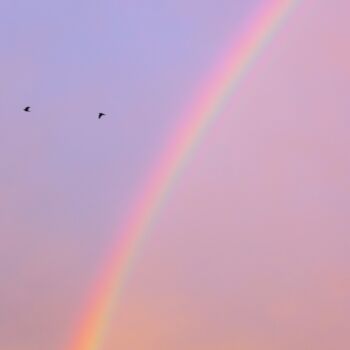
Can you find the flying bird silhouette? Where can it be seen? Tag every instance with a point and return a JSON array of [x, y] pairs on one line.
[[100, 115], [27, 109]]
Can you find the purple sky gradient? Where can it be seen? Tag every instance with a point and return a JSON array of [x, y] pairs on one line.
[[251, 250]]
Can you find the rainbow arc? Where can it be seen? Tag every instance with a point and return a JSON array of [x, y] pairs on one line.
[[92, 328]]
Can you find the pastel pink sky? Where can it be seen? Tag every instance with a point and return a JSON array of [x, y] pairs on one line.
[[250, 252]]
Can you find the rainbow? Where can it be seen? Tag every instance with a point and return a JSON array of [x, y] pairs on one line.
[[96, 317]]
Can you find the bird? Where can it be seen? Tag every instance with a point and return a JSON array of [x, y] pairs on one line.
[[27, 109], [100, 115]]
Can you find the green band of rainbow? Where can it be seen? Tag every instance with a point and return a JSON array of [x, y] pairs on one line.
[[92, 329]]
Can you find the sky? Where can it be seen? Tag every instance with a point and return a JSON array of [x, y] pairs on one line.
[[250, 250]]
